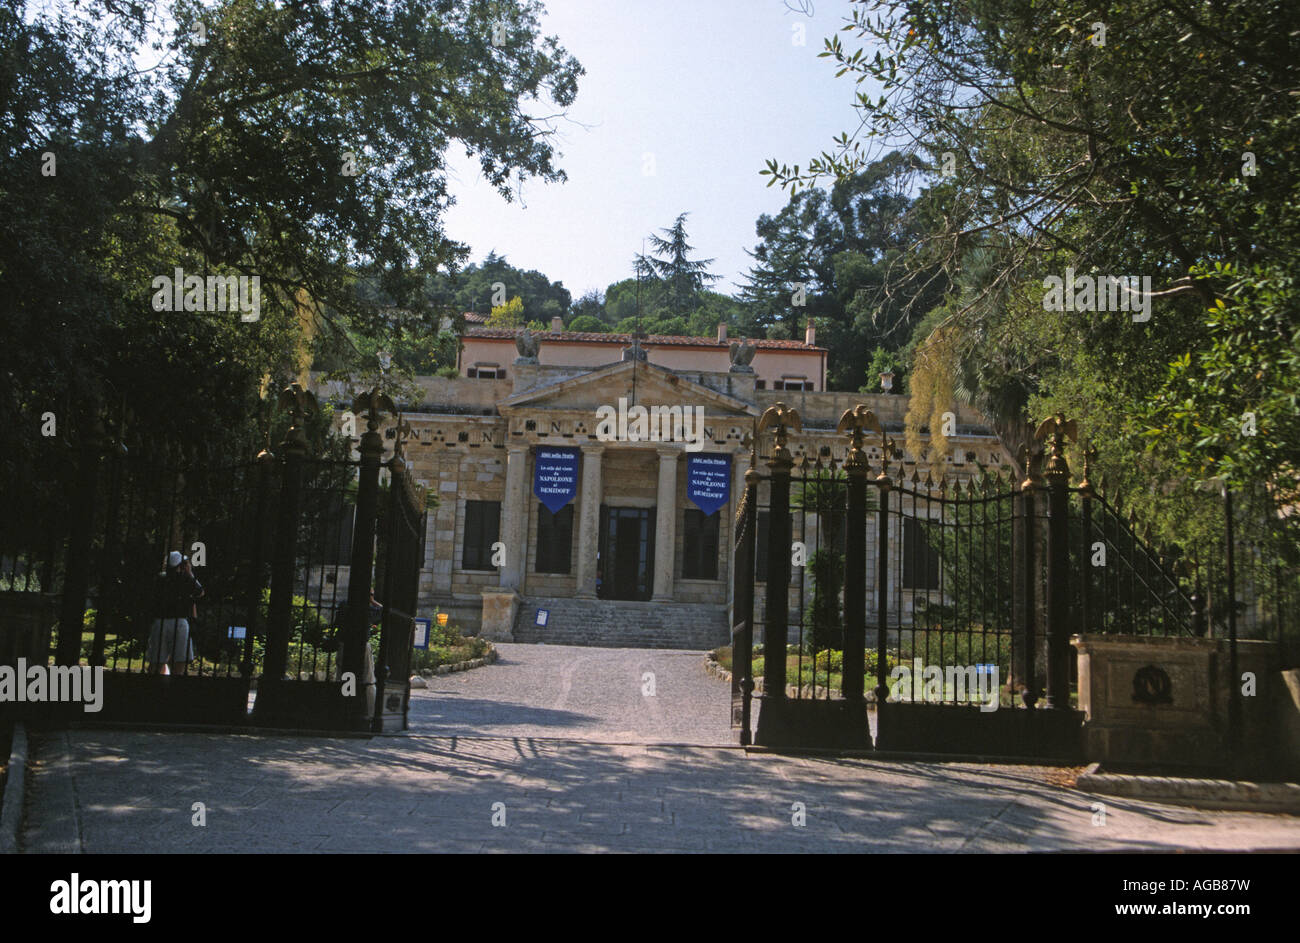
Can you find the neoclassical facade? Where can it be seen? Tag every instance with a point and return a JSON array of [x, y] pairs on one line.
[[624, 553]]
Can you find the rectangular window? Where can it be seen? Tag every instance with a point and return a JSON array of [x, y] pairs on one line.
[[554, 540], [920, 560], [700, 545], [793, 383], [482, 530], [760, 384], [486, 371]]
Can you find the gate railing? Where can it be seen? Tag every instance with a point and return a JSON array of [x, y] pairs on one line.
[[950, 592], [276, 543]]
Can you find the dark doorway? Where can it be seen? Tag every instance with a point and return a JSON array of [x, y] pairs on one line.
[[626, 553]]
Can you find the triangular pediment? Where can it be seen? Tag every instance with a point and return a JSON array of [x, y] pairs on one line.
[[641, 383]]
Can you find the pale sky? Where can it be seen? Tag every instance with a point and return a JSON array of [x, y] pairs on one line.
[[707, 89]]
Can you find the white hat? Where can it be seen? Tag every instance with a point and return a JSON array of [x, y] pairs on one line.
[[174, 559]]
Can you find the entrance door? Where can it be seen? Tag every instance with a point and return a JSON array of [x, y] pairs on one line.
[[626, 553]]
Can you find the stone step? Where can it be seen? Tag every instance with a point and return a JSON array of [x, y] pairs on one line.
[[620, 624]]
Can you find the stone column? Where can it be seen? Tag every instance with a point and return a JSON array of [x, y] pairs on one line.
[[589, 520], [666, 525], [514, 518]]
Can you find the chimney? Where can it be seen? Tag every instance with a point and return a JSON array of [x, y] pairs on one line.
[[722, 332], [810, 334], [557, 324]]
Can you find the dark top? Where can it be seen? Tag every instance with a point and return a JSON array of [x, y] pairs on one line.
[[177, 593]]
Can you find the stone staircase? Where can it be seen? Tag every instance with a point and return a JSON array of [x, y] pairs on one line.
[[607, 623]]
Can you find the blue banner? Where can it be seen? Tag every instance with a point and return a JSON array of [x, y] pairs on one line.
[[555, 476], [708, 481]]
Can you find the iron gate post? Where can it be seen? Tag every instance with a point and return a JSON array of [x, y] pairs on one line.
[[284, 553], [882, 583], [356, 626], [264, 463], [1025, 607], [1056, 431], [776, 634], [742, 635], [854, 423]]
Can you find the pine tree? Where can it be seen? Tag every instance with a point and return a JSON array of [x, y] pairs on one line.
[[683, 278]]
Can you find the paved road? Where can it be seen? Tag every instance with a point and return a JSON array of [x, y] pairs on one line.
[[119, 791], [593, 694], [566, 745]]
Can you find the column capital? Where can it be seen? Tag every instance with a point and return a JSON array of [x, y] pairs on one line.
[[592, 448], [669, 451]]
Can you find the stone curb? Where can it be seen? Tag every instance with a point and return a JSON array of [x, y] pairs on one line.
[[15, 792], [487, 659], [59, 820], [1202, 793]]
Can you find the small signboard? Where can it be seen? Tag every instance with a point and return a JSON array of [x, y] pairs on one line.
[[423, 627], [985, 669], [555, 476], [708, 481], [237, 631], [543, 616]]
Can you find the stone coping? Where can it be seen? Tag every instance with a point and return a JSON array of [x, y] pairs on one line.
[[1202, 793], [418, 680]]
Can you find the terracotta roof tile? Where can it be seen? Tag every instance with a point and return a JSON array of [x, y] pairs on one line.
[[652, 340]]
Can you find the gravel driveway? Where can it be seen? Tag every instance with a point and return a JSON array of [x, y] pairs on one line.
[[610, 695]]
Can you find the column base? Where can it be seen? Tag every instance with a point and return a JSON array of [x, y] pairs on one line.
[[499, 610]]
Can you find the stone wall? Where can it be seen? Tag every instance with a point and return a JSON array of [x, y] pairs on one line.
[[1164, 702]]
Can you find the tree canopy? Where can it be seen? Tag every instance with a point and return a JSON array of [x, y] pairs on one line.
[[303, 143], [1150, 139]]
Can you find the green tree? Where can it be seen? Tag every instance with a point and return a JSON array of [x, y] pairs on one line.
[[1158, 144], [683, 278], [510, 314], [301, 143]]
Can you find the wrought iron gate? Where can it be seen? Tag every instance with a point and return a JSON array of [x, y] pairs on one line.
[[948, 605], [283, 546]]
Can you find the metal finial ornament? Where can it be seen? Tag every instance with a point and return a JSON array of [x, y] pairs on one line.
[[886, 453], [1089, 456], [1056, 432], [300, 404], [781, 418], [372, 404], [855, 423]]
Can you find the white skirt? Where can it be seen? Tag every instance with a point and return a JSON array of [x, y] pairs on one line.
[[169, 641]]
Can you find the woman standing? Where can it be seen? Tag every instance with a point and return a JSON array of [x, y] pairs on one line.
[[178, 593]]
